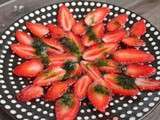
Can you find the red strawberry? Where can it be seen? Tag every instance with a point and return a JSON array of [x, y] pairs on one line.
[[99, 30], [147, 84], [37, 29], [136, 71], [99, 96], [65, 18], [121, 85], [48, 76], [81, 86], [23, 51], [29, 93], [138, 29], [87, 42], [24, 38], [96, 16], [56, 31], [117, 22], [54, 44], [67, 107], [133, 41], [98, 51], [79, 28], [128, 56], [70, 81], [29, 68], [77, 70], [115, 36]]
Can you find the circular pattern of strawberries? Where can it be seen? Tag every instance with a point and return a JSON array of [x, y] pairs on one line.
[[89, 58]]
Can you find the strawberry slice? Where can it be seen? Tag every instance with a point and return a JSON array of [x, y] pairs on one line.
[[56, 31], [70, 81], [37, 29], [29, 68], [23, 51], [65, 18], [53, 43], [86, 41], [138, 29], [81, 86], [115, 36], [99, 30], [24, 38], [77, 70], [67, 107], [117, 22], [99, 96], [121, 85], [29, 93], [48, 76], [136, 71], [79, 28], [99, 50], [96, 16], [130, 55], [133, 41], [147, 84]]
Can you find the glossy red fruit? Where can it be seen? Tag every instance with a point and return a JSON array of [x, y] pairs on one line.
[[48, 76], [138, 29], [56, 31], [133, 41], [99, 96], [79, 28], [86, 41], [29, 93], [121, 85], [65, 18], [37, 29], [99, 50], [29, 68], [99, 30], [70, 81], [96, 16], [136, 71], [77, 70], [23, 51], [117, 22], [147, 84], [67, 107], [130, 55], [115, 36], [81, 86], [23, 38]]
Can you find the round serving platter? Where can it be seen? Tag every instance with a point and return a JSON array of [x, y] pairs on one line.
[[123, 108]]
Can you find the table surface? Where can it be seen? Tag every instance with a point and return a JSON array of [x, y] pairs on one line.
[[10, 10]]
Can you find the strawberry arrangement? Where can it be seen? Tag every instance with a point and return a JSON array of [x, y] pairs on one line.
[[74, 60]]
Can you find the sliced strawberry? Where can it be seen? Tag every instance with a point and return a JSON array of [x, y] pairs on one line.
[[70, 81], [29, 68], [81, 86], [48, 76], [86, 41], [99, 50], [121, 85], [115, 36], [133, 41], [77, 70], [128, 56], [96, 16], [99, 96], [55, 91], [23, 51], [29, 93], [147, 84], [24, 38], [136, 71], [138, 29], [56, 31], [67, 107], [53, 43], [117, 22], [99, 30], [79, 28], [37, 29], [65, 18]]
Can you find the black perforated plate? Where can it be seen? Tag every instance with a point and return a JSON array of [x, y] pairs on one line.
[[130, 108]]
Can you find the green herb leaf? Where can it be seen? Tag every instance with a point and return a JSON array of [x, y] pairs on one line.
[[101, 89], [69, 65], [66, 76], [101, 63], [126, 82], [67, 100]]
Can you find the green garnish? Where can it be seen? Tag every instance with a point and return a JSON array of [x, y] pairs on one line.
[[69, 65], [66, 76], [101, 63], [126, 82], [67, 100], [101, 89]]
